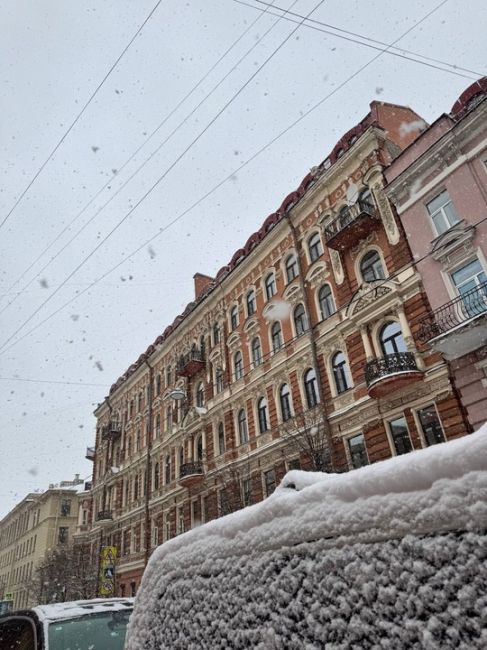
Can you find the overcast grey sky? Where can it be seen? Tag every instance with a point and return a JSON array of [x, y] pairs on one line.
[[53, 55]]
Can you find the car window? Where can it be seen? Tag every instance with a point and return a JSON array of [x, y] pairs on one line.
[[17, 634], [92, 632]]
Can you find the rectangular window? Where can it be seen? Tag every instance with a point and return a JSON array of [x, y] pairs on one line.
[[442, 212], [63, 535], [430, 425], [269, 482], [470, 282], [295, 463], [246, 492], [400, 435], [358, 451], [65, 507]]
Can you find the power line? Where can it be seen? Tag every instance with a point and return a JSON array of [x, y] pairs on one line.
[[224, 180], [50, 381], [165, 173], [78, 116], [143, 164], [127, 161], [401, 52]]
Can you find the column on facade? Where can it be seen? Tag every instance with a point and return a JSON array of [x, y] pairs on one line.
[[369, 353], [408, 336]]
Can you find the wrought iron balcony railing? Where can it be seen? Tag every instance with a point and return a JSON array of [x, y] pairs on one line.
[[455, 313], [190, 469], [111, 430], [190, 363], [360, 214], [389, 364], [104, 515]]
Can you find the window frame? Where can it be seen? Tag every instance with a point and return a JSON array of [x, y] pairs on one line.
[[291, 268], [256, 361], [440, 211], [263, 414], [276, 336], [326, 301], [238, 371], [342, 370], [234, 318], [372, 266], [270, 286], [313, 382], [351, 455], [300, 320], [315, 247], [285, 402], [394, 447], [242, 426], [251, 302]]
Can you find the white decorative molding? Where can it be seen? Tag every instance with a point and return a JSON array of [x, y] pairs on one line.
[[336, 264], [386, 214]]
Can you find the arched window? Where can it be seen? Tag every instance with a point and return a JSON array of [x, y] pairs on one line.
[[311, 388], [314, 247], [200, 395], [243, 432], [300, 321], [136, 487], [167, 470], [270, 286], [292, 270], [327, 304], [216, 334], [234, 318], [158, 425], [256, 352], [219, 380], [371, 267], [221, 438], [199, 447], [285, 401], [138, 440], [340, 372], [238, 365], [391, 339], [262, 412], [251, 303], [276, 335], [158, 385], [156, 476]]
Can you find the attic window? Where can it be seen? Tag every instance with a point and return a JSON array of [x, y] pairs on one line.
[[327, 164], [340, 153], [353, 139]]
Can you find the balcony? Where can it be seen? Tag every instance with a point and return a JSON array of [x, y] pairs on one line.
[[458, 327], [191, 474], [191, 363], [90, 453], [390, 373], [111, 431], [352, 224], [104, 516]]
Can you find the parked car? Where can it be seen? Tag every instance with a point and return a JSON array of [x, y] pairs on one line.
[[98, 624], [392, 555]]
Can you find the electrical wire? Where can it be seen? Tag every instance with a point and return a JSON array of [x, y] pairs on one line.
[[127, 161], [4, 349], [163, 175], [51, 381], [78, 116]]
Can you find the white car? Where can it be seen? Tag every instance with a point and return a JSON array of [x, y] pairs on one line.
[[98, 624], [388, 556]]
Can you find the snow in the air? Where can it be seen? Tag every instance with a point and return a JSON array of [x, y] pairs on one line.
[[392, 555]]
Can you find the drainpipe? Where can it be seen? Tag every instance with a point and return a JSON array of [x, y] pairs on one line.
[[312, 338], [148, 466]]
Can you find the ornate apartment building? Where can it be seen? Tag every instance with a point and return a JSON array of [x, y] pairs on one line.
[[304, 350]]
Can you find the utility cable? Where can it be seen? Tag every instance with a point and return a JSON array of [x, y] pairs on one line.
[[78, 116], [165, 173]]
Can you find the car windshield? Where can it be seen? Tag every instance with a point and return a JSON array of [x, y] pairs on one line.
[[104, 631]]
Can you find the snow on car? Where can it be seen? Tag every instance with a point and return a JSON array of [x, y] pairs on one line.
[[392, 555]]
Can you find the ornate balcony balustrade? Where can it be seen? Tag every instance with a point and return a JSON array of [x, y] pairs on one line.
[[111, 431], [351, 225], [391, 372], [191, 363], [191, 473], [460, 311], [104, 515]]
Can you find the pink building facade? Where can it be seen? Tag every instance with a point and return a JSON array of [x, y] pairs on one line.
[[439, 187]]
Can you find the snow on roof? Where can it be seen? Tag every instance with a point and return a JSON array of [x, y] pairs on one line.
[[75, 608]]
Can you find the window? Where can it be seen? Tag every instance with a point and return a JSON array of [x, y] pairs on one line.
[[238, 365], [200, 395], [262, 415], [270, 286], [158, 425], [242, 427], [358, 452], [371, 267], [199, 447], [327, 304], [344, 216], [167, 470], [216, 334], [285, 401], [300, 321], [65, 507], [63, 535], [400, 435], [156, 476], [221, 438], [442, 212], [251, 303], [340, 372], [314, 247], [256, 352], [276, 335], [234, 318], [219, 380], [168, 418], [158, 385], [168, 376], [470, 282], [294, 463], [430, 425], [269, 482], [246, 492], [311, 388], [291, 268], [180, 459], [138, 440], [391, 339]]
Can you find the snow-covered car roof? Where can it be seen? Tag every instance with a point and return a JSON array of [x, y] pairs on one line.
[[435, 490], [75, 608]]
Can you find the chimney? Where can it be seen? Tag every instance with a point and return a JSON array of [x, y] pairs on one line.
[[201, 283]]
